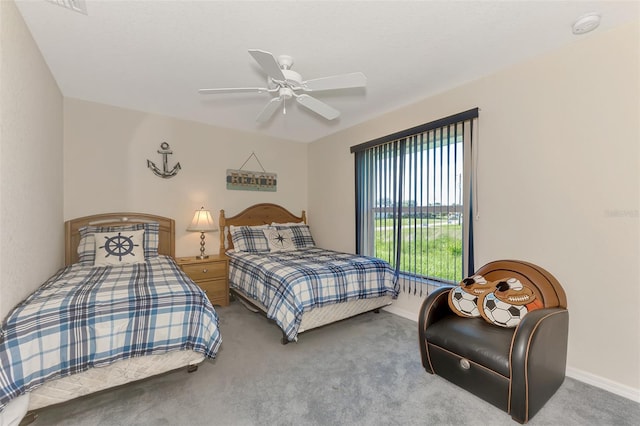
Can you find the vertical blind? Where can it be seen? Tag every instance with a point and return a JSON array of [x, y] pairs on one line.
[[413, 199]]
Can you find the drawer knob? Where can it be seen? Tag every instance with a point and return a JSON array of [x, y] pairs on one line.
[[465, 364], [205, 270]]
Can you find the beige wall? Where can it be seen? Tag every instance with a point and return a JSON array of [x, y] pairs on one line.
[[558, 178], [30, 163], [558, 186], [105, 168]]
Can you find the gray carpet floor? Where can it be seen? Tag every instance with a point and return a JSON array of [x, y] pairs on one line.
[[362, 371]]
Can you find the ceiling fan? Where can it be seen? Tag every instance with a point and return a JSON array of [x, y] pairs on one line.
[[284, 82]]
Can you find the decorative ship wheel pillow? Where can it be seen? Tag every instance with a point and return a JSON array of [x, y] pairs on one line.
[[463, 299], [508, 304], [119, 248]]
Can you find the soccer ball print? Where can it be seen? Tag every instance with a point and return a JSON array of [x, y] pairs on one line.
[[507, 305], [463, 299], [501, 313], [464, 303]]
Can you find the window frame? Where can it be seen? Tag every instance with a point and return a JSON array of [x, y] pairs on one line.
[[396, 144]]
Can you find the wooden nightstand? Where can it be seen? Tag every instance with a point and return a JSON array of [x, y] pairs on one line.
[[211, 274]]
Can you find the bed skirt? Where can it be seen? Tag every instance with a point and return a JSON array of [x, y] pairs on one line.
[[327, 314], [116, 374]]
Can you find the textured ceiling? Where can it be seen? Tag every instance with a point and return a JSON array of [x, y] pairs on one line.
[[154, 55]]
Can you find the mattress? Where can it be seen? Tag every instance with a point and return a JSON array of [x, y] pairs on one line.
[[328, 314], [290, 284], [119, 373], [85, 319]]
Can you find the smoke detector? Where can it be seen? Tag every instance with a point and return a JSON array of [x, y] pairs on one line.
[[586, 23]]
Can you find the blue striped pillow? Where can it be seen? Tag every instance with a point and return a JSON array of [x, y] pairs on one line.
[[250, 239]]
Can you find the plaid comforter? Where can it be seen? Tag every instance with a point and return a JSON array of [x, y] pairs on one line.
[[85, 317], [289, 283]]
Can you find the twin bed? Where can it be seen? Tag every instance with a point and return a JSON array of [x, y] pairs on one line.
[[130, 320], [137, 318], [298, 286]]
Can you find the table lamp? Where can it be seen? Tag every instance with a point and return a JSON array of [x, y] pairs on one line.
[[202, 222]]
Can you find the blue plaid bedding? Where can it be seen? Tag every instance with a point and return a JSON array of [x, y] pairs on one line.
[[289, 283], [85, 317]]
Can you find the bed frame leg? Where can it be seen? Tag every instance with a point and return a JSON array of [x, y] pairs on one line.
[[29, 418], [284, 340], [376, 311], [192, 368]]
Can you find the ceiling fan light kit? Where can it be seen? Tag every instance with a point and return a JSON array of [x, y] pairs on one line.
[[284, 82]]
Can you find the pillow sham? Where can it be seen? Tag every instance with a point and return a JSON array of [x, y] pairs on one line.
[[87, 250], [301, 235], [119, 248], [279, 239], [87, 246], [250, 239]]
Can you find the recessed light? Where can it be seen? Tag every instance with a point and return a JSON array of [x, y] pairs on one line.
[[586, 23]]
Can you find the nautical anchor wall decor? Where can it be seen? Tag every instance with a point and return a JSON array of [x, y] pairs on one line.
[[165, 172]]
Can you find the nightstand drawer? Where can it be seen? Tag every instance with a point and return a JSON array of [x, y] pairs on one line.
[[206, 270], [210, 274], [216, 291]]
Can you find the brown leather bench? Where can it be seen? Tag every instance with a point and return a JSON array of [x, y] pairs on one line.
[[516, 369]]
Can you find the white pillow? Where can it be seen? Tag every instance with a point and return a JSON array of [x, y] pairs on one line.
[[119, 248], [279, 239]]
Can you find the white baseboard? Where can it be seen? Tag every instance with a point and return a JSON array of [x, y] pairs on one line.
[[606, 384], [401, 313], [583, 376]]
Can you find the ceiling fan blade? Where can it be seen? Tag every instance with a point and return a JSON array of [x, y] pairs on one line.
[[343, 81], [318, 107], [268, 63], [232, 90], [269, 109]]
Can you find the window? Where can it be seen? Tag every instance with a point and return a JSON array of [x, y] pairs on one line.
[[413, 199]]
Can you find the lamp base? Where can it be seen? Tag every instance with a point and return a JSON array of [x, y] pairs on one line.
[[202, 255]]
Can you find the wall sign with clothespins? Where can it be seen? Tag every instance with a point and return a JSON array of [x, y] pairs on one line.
[[245, 180]]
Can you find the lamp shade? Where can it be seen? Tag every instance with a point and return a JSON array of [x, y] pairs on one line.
[[202, 221]]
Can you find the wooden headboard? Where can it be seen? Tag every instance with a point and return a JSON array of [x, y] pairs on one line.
[[167, 234], [258, 214]]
